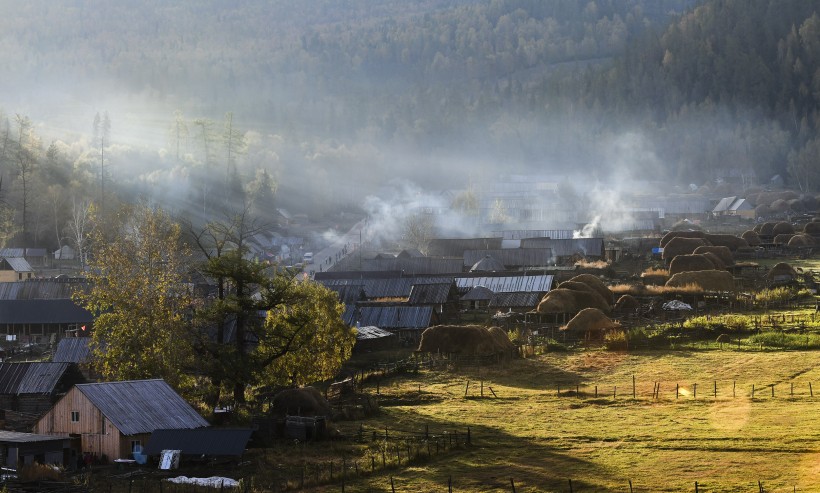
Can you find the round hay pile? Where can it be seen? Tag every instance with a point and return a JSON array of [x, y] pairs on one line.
[[680, 234], [779, 205], [766, 229], [471, 340], [751, 237], [722, 252], [707, 280], [812, 228], [801, 241], [782, 269], [597, 285], [682, 246], [809, 203], [590, 320], [305, 401], [771, 197], [570, 301], [796, 205], [690, 263], [783, 239], [684, 225], [763, 210], [731, 242], [627, 304], [783, 228]]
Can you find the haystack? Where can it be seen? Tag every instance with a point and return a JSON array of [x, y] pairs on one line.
[[783, 239], [627, 304], [716, 261], [796, 205], [682, 246], [590, 320], [779, 205], [468, 340], [783, 228], [812, 228], [751, 237], [680, 234], [763, 210], [690, 263], [809, 203], [570, 301], [766, 229], [722, 252], [732, 242], [781, 272], [685, 225], [305, 401], [597, 285], [801, 241], [707, 280]]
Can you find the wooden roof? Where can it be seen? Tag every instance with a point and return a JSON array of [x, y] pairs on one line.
[[72, 350], [32, 377], [142, 406]]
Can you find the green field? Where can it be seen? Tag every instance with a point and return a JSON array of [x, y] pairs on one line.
[[666, 443]]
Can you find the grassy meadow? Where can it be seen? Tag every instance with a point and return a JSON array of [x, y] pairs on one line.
[[542, 440]]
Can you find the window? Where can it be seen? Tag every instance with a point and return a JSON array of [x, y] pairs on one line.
[[136, 446], [75, 416]]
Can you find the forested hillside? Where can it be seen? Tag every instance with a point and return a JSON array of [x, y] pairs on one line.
[[314, 103]]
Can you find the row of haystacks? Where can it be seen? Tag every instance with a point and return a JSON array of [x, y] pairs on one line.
[[751, 237], [723, 253], [731, 242], [582, 291], [772, 229], [466, 340]]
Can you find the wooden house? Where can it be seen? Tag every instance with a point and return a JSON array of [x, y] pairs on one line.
[[115, 419], [28, 390], [40, 310], [15, 269]]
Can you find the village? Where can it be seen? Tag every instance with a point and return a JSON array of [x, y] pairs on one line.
[[740, 273]]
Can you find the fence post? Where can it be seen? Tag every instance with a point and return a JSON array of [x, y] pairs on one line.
[[734, 383], [570, 486], [715, 389], [392, 486], [753, 391], [694, 391], [512, 483], [630, 486], [633, 386], [811, 393], [677, 390]]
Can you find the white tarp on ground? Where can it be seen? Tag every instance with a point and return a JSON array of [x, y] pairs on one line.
[[213, 482], [676, 305]]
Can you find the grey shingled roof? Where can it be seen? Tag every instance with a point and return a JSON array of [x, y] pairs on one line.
[[72, 350], [515, 300], [30, 378], [142, 406], [414, 265], [17, 437], [390, 317], [512, 257], [566, 248], [33, 289], [430, 294], [507, 284], [478, 293], [202, 441], [19, 264], [369, 332]]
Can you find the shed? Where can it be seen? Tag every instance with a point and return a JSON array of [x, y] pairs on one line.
[[22, 449], [115, 419], [370, 338]]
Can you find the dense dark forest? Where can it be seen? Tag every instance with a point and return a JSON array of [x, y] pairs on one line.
[[316, 103]]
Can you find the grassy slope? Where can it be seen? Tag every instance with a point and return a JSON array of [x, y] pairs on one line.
[[542, 440]]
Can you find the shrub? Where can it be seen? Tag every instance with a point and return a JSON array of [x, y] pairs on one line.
[[782, 340], [721, 323]]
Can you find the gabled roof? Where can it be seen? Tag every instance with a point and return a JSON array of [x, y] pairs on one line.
[[511, 257], [142, 406], [507, 284], [12, 252], [724, 204], [398, 287], [201, 441], [72, 350], [350, 293], [17, 437], [31, 377], [487, 264], [18, 264], [43, 312]]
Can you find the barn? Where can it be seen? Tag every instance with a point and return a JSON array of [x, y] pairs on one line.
[[115, 419]]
